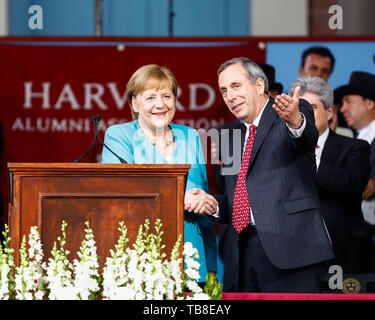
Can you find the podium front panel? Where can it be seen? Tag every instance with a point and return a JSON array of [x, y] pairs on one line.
[[102, 194]]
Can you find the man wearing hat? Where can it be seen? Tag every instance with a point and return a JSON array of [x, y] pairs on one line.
[[358, 108], [274, 88]]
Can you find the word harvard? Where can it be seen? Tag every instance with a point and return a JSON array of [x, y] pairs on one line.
[[195, 309]]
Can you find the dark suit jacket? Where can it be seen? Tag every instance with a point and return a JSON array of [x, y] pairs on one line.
[[342, 176], [225, 245], [281, 184], [372, 159]]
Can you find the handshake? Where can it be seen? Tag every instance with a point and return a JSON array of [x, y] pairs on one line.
[[199, 201]]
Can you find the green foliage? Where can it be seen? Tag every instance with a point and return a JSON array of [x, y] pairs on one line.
[[121, 243], [212, 287]]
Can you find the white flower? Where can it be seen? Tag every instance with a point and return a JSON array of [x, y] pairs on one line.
[[28, 296], [59, 272], [39, 295], [145, 275], [65, 293], [4, 284], [86, 272], [201, 296], [193, 286], [192, 274], [188, 249], [140, 273], [191, 263], [29, 276]]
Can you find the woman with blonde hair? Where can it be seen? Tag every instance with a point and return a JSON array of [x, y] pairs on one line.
[[152, 138]]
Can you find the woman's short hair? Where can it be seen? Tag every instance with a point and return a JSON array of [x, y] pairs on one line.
[[149, 77]]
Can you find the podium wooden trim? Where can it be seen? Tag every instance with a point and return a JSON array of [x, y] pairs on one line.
[[44, 194]]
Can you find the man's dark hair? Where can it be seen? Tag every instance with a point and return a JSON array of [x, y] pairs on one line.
[[321, 51]]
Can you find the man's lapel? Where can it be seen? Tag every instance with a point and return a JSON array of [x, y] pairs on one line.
[[243, 135], [266, 121], [332, 147]]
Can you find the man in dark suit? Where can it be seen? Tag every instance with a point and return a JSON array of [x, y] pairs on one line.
[[270, 200], [343, 171], [358, 108], [223, 229], [225, 243]]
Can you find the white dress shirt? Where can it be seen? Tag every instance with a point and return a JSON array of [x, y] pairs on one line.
[[368, 206], [319, 148], [367, 133]]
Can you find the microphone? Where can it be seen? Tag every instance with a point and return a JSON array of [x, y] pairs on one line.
[[95, 121], [98, 116]]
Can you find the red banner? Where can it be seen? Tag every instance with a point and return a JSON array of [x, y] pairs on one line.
[[49, 90]]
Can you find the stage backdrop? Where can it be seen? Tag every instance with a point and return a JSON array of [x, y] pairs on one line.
[[51, 87]]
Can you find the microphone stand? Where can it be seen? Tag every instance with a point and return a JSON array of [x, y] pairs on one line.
[[95, 120], [117, 156]]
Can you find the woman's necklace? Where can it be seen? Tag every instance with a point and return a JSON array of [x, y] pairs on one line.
[[169, 138]]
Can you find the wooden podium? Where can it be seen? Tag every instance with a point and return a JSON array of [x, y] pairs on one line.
[[45, 194]]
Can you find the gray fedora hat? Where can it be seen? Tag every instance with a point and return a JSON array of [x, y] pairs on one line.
[[360, 83]]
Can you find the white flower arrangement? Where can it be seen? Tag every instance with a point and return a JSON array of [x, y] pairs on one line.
[[30, 273], [86, 269], [6, 267], [192, 273], [138, 273], [59, 271]]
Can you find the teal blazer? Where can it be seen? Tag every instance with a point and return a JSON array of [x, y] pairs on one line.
[[128, 141]]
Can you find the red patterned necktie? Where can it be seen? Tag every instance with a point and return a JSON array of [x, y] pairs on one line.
[[241, 203]]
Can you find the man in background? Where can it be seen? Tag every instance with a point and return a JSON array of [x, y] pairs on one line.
[[342, 174], [274, 88], [317, 61], [358, 108]]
